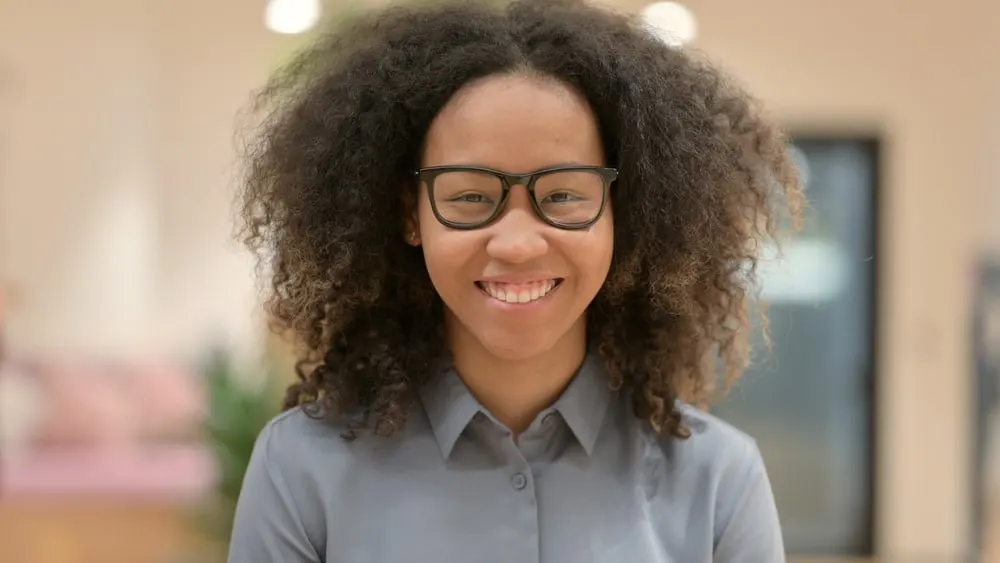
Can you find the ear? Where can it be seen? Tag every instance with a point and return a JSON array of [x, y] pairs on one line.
[[411, 231], [411, 220]]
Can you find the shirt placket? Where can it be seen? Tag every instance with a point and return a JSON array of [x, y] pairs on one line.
[[521, 484]]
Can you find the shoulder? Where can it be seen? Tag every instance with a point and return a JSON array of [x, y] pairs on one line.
[[302, 424], [306, 446], [736, 492], [296, 442], [717, 454], [711, 436], [285, 488], [717, 472]]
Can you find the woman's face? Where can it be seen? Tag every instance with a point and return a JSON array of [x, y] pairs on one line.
[[518, 125]]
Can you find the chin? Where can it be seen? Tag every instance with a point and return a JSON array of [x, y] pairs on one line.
[[514, 348]]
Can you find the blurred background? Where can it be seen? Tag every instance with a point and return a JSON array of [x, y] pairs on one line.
[[138, 370]]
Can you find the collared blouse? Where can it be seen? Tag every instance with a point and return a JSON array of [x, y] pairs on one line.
[[587, 482]]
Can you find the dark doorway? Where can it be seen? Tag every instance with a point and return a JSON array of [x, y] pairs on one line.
[[810, 402]]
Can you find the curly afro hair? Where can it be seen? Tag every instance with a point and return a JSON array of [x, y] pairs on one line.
[[705, 183]]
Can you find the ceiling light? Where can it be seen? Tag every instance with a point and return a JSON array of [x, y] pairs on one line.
[[292, 16], [673, 22]]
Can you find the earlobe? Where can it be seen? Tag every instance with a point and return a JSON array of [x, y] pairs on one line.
[[411, 231], [411, 224], [413, 238]]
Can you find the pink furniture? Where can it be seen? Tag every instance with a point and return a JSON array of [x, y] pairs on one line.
[[110, 429], [169, 473]]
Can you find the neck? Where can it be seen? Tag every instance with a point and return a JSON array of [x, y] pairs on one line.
[[515, 391]]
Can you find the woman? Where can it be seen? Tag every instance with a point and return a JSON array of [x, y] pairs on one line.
[[509, 243]]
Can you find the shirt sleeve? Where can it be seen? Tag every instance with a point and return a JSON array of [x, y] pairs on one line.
[[748, 519], [267, 527]]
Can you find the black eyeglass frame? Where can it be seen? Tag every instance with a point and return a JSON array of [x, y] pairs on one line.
[[430, 173]]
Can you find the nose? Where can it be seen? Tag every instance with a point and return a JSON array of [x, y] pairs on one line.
[[518, 236]]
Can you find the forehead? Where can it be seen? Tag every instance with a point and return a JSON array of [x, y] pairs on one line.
[[515, 123]]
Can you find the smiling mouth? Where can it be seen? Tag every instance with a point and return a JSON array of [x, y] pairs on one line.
[[519, 293]]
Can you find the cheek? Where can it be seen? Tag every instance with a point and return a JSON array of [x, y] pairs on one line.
[[601, 246], [589, 254], [446, 252], [425, 215]]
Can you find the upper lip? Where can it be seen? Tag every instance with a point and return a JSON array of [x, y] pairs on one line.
[[519, 278]]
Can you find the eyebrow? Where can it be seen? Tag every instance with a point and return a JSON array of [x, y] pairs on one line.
[[560, 164]]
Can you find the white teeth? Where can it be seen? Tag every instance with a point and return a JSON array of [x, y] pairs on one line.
[[518, 292]]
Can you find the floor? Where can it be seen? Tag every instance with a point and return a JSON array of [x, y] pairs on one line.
[[60, 530], [992, 547]]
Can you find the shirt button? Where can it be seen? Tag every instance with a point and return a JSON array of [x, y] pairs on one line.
[[518, 481]]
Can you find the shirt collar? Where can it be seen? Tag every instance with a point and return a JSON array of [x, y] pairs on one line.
[[449, 406], [583, 405]]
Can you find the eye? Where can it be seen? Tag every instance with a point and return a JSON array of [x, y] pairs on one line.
[[471, 198], [560, 197]]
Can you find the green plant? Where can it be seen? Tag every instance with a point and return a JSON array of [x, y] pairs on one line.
[[240, 404]]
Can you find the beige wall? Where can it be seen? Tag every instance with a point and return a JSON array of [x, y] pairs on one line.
[[116, 155], [76, 172]]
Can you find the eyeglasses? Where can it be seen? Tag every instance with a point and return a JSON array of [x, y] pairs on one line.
[[471, 197]]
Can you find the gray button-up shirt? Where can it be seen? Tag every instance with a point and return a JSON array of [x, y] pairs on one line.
[[587, 482]]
